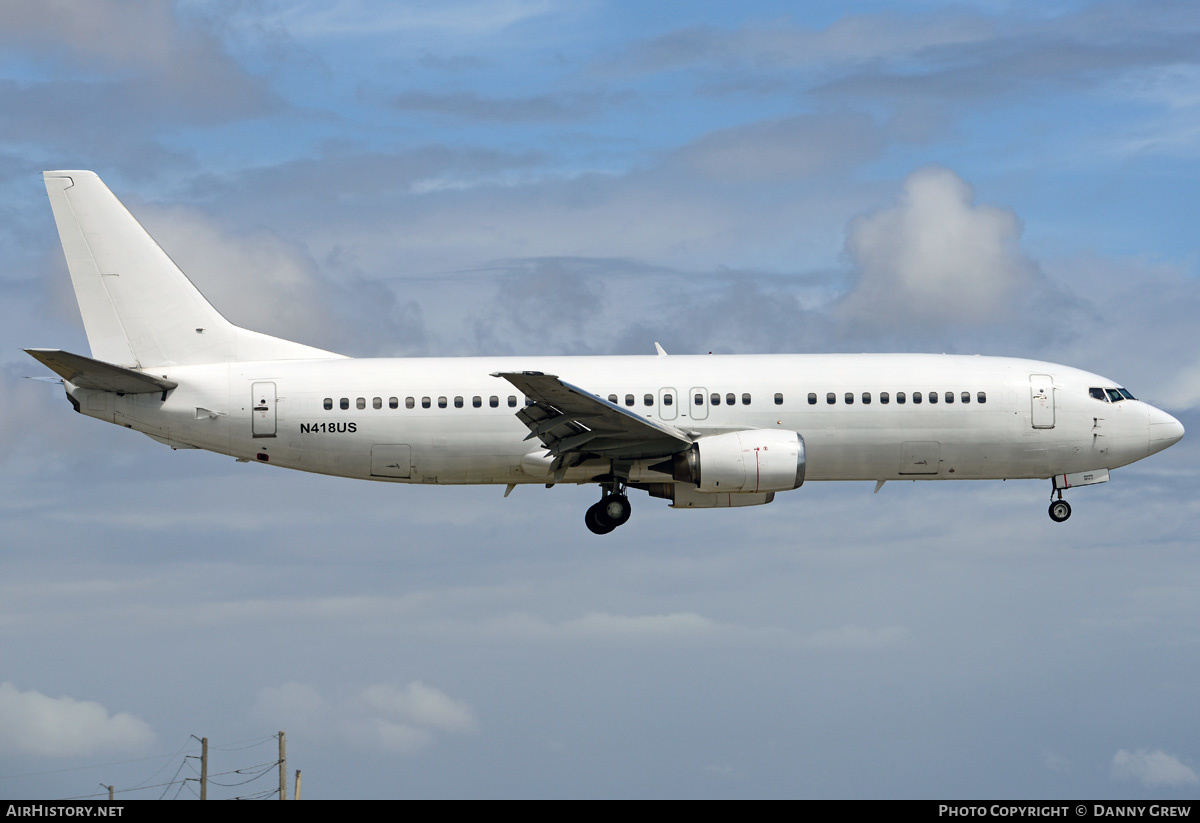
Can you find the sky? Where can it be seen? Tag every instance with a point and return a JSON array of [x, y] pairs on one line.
[[538, 177]]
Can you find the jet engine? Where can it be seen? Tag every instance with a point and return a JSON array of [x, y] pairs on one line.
[[742, 462]]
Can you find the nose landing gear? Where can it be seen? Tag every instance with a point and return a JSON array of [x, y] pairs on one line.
[[1060, 509]]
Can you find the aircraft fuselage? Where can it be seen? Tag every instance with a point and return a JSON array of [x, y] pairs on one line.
[[892, 417]]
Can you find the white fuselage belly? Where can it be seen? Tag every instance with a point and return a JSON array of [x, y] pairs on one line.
[[213, 409]]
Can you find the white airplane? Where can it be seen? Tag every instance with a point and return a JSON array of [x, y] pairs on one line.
[[699, 431]]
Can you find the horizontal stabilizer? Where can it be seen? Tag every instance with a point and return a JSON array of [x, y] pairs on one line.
[[96, 374]]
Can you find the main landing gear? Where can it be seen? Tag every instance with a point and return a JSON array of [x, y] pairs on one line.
[[1060, 509], [613, 509]]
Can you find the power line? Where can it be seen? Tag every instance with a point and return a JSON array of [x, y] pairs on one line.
[[237, 747], [251, 773], [95, 766]]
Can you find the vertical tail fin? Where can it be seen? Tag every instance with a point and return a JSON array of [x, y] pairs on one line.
[[139, 309]]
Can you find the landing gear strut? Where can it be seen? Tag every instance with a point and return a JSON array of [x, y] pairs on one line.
[[613, 509], [1060, 509]]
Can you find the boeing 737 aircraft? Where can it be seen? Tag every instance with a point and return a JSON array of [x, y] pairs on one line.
[[699, 431]]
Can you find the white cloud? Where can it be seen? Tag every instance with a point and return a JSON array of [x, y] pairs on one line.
[[356, 18], [1183, 390], [35, 724], [791, 148], [388, 736], [1152, 769], [422, 705], [936, 256], [262, 282], [678, 629], [384, 717]]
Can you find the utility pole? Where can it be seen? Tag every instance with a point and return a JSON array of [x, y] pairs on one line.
[[203, 766], [297, 797], [282, 766]]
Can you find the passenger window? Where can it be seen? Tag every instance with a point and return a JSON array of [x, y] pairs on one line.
[[715, 399], [344, 403], [668, 399], [360, 403], [612, 398], [949, 397], [377, 402], [442, 402], [730, 399], [778, 399], [477, 402], [328, 403], [916, 397], [866, 398], [458, 402], [900, 397], [425, 403], [933, 397], [849, 398], [831, 398], [746, 399], [884, 398], [393, 402], [698, 399], [512, 401], [981, 397], [965, 397], [648, 400], [629, 400], [410, 402], [494, 402], [812, 398]]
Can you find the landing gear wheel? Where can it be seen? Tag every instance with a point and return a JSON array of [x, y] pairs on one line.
[[596, 521], [615, 508], [1060, 510]]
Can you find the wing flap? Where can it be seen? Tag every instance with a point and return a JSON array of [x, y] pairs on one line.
[[96, 374], [571, 422]]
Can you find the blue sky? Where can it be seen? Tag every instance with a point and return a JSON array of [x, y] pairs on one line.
[[459, 178]]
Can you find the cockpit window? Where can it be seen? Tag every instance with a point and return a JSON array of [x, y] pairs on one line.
[[1114, 395], [1097, 393], [1125, 393]]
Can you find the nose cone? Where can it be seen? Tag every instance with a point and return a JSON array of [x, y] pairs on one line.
[[1165, 430]]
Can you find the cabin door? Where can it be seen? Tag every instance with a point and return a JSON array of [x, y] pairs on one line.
[[698, 408], [262, 404], [1041, 395]]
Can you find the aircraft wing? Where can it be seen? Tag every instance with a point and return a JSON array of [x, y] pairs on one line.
[[96, 374], [573, 423]]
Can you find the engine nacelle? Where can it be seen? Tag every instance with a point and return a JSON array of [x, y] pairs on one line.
[[744, 462], [684, 496]]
